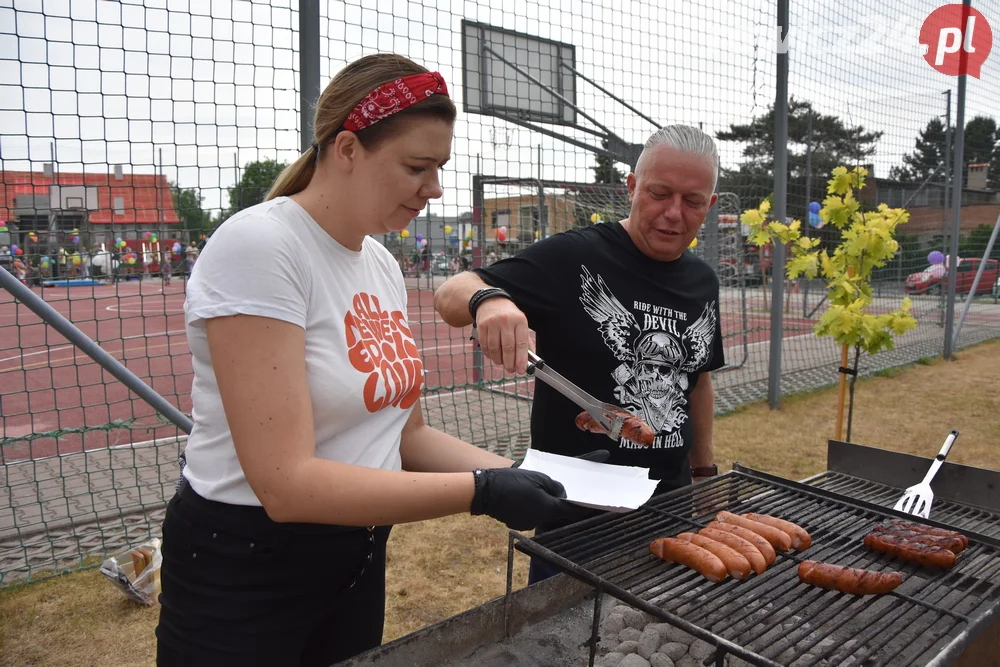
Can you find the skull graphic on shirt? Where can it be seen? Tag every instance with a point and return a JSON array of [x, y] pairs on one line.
[[655, 363]]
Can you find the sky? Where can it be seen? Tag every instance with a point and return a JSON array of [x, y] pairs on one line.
[[210, 85]]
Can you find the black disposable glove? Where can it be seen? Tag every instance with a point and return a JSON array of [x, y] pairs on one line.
[[523, 499]]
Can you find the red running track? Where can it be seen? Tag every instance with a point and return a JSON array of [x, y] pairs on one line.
[[47, 385]]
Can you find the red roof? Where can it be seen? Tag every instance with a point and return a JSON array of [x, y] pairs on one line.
[[146, 197]]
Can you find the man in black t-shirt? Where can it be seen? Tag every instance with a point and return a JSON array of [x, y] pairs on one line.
[[621, 309]]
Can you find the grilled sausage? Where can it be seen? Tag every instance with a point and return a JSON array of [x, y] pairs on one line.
[[953, 544], [633, 428], [901, 548], [745, 548], [779, 539], [737, 566], [801, 540], [928, 530], [848, 579], [701, 560], [762, 545]]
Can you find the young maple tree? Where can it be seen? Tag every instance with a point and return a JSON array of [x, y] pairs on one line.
[[867, 243]]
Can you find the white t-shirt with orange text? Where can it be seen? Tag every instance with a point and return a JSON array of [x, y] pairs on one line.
[[363, 366]]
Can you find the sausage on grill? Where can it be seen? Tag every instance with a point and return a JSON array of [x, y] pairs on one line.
[[953, 544], [778, 539], [701, 560], [901, 548], [928, 530], [745, 548], [633, 428], [762, 545], [737, 566], [801, 540], [848, 579]]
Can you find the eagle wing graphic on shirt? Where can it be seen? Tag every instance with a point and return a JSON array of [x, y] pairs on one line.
[[617, 324], [656, 357]]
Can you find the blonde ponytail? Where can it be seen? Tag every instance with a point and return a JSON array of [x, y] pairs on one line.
[[295, 177]]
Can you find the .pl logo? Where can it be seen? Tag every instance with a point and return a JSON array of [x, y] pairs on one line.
[[956, 39]]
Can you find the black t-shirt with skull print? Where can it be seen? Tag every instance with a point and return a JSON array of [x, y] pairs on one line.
[[631, 330]]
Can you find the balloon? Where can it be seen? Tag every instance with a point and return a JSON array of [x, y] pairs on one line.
[[447, 229], [468, 234], [118, 239], [405, 233], [177, 247], [18, 252], [501, 236], [694, 243], [153, 239], [420, 237], [130, 260], [936, 257], [76, 240], [76, 261], [423, 243], [814, 207], [148, 234], [13, 248], [595, 217]]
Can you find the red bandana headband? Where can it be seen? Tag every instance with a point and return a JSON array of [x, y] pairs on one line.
[[393, 97]]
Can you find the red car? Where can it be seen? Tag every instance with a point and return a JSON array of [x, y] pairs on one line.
[[934, 279]]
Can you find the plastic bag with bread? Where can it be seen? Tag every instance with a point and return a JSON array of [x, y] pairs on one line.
[[136, 572]]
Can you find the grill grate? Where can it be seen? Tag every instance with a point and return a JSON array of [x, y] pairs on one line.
[[954, 514], [774, 619]]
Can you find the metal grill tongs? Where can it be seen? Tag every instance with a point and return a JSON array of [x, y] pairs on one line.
[[605, 414]]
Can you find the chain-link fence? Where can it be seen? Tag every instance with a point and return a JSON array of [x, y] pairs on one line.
[[128, 132]]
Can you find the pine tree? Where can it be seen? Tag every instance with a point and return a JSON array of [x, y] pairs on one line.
[[929, 153], [980, 141], [832, 142], [605, 171]]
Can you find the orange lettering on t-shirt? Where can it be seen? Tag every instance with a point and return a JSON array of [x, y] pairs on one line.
[[380, 344]]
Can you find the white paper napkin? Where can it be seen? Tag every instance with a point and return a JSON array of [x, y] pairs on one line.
[[599, 485]]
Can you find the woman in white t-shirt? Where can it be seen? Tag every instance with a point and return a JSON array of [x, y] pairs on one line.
[[308, 440]]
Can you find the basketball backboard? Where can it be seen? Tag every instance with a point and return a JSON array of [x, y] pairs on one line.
[[73, 197], [493, 84], [524, 79]]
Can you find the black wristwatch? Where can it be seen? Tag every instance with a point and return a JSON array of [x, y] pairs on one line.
[[705, 471], [481, 295]]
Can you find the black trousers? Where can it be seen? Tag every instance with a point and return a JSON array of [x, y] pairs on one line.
[[241, 589]]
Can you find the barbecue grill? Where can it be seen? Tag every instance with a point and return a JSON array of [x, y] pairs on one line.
[[935, 618]]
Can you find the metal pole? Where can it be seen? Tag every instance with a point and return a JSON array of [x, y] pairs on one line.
[[308, 68], [53, 318], [780, 208], [956, 199], [947, 178], [478, 260], [809, 175], [979, 275]]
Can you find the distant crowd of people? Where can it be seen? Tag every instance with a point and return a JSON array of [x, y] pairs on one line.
[[114, 264]]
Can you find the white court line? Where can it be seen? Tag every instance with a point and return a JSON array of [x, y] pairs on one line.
[[458, 392], [67, 347], [739, 346], [21, 357]]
